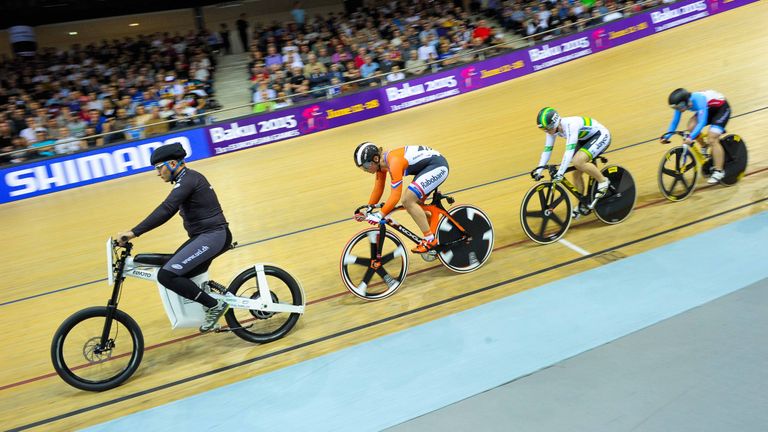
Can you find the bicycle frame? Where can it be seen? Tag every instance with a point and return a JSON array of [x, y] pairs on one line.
[[692, 149], [183, 312], [435, 209], [570, 187]]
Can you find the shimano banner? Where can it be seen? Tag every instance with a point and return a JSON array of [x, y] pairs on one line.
[[55, 174]]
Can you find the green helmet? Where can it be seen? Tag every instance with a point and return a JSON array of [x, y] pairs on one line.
[[547, 118]]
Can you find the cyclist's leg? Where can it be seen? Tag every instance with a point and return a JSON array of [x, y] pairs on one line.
[[580, 160], [717, 120], [588, 152], [424, 182], [197, 251], [593, 148]]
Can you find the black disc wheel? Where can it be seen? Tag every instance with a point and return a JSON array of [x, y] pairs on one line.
[[735, 159], [617, 204], [465, 253], [677, 174], [260, 326], [85, 360], [367, 276], [545, 212]]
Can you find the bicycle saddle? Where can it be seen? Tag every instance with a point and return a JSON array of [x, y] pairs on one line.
[[152, 259]]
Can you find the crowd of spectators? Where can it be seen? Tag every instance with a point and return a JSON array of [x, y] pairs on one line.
[[384, 42], [56, 101], [388, 41]]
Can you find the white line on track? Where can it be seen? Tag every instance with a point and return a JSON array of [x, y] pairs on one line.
[[573, 247]]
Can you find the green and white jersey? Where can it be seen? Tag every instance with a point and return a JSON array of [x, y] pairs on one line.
[[576, 131]]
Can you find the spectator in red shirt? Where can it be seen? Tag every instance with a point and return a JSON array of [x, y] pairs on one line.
[[482, 31]]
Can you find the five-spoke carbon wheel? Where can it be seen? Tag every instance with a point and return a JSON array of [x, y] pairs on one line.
[[545, 212], [367, 276]]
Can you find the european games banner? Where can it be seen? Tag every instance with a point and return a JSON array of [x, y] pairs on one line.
[[67, 172], [419, 91], [250, 132]]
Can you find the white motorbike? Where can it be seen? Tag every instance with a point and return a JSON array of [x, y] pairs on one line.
[[100, 347]]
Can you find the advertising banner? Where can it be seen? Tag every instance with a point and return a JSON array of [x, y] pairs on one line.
[[67, 172], [619, 32], [419, 91], [559, 51], [717, 6], [678, 14], [289, 123]]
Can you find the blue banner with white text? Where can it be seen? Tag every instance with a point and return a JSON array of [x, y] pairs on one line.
[[67, 172]]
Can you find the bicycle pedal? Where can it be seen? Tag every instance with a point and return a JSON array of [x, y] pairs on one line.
[[429, 256]]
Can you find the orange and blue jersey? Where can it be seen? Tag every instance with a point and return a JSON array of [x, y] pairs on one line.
[[403, 161]]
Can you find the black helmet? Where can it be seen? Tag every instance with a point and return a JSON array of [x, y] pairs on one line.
[[365, 153], [168, 152], [547, 118], [679, 98]]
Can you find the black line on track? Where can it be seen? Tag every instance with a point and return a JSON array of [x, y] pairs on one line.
[[377, 322]]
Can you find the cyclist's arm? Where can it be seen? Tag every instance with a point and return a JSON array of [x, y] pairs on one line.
[[166, 209], [547, 153], [378, 188], [702, 113], [571, 139], [675, 121], [397, 168]]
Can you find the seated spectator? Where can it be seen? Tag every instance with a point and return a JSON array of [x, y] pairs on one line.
[[323, 57], [415, 65], [425, 50], [336, 72], [43, 143], [313, 64], [318, 79], [282, 101], [482, 30], [142, 117], [156, 125], [334, 89], [340, 55], [395, 74], [18, 156], [263, 94], [613, 14], [29, 132], [296, 80], [67, 143], [263, 102], [301, 94], [369, 67]]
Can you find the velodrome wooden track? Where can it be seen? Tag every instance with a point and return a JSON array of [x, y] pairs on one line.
[[291, 203]]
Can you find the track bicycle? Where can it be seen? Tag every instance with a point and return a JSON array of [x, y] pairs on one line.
[[100, 347], [546, 214], [464, 236], [680, 166]]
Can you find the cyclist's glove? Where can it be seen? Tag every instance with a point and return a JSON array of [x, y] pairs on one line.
[[375, 218]]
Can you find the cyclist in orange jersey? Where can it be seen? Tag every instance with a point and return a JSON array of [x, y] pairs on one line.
[[429, 169]]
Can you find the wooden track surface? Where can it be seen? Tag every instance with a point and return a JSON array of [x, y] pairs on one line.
[[291, 203]]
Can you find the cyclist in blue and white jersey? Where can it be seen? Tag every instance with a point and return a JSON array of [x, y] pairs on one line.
[[711, 110], [585, 139]]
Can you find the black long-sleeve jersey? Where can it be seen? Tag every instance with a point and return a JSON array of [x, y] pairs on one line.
[[193, 197]]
